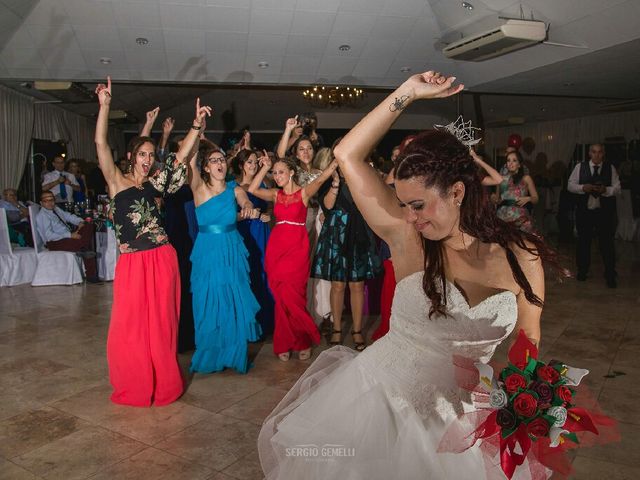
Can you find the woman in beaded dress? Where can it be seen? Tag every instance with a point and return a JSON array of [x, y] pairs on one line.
[[142, 340], [287, 256]]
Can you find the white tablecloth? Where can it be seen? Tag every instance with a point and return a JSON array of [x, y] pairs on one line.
[[107, 252]]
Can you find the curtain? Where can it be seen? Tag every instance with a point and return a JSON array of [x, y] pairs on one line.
[[16, 122]]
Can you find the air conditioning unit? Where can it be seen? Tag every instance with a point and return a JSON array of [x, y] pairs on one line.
[[513, 35]]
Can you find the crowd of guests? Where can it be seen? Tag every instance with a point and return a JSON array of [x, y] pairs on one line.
[[218, 249]]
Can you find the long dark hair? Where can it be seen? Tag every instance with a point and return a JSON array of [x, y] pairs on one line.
[[517, 177], [237, 164], [135, 144], [441, 160], [204, 158]]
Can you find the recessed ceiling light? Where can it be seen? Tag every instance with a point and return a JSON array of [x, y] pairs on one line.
[[344, 48], [568, 84], [263, 64], [142, 41], [105, 60], [405, 69], [467, 5]]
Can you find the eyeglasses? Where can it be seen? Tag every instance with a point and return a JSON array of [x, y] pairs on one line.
[[216, 160]]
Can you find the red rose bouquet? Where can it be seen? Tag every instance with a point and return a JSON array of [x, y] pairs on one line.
[[530, 413]]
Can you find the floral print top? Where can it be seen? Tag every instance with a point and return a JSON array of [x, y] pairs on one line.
[[135, 213]]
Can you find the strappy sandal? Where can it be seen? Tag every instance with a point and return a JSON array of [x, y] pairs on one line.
[[304, 354], [338, 342], [284, 356], [358, 346]]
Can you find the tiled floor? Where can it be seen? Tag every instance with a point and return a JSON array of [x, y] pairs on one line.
[[56, 421]]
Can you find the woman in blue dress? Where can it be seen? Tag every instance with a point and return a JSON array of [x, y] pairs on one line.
[[255, 232], [224, 308]]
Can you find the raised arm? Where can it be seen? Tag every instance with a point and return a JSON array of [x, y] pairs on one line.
[[148, 124], [266, 194], [167, 127], [329, 199], [312, 188], [189, 141], [105, 158], [289, 126], [493, 176], [375, 200]]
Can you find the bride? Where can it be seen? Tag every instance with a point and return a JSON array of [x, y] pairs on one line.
[[466, 280]]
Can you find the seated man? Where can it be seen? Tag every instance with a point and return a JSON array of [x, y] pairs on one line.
[[58, 231], [17, 214]]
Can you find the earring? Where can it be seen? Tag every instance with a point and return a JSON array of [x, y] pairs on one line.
[[458, 203]]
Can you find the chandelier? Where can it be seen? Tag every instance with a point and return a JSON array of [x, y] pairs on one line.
[[330, 96]]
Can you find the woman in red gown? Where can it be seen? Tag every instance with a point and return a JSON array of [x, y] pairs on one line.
[[287, 256]]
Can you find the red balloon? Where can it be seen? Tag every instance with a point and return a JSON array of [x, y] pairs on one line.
[[515, 140]]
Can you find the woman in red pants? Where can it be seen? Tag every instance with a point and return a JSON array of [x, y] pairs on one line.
[[141, 346], [287, 256]]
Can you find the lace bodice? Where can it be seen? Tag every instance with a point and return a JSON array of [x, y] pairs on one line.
[[417, 354], [290, 208]]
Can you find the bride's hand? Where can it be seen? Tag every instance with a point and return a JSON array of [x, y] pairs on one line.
[[432, 85]]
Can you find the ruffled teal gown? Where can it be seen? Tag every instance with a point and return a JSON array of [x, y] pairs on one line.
[[224, 307]]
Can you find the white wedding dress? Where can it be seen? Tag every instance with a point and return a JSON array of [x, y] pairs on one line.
[[381, 414]]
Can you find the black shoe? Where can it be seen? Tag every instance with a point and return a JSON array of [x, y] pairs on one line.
[[612, 283], [93, 280], [581, 277]]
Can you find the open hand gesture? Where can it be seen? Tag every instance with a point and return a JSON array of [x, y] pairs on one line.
[[202, 113], [104, 93], [152, 115], [432, 85]]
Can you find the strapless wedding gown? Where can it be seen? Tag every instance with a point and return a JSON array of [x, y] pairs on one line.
[[381, 414]]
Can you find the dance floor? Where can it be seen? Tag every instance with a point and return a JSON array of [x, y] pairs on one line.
[[56, 421]]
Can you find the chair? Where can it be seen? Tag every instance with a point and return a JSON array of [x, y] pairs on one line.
[[17, 265], [54, 268]]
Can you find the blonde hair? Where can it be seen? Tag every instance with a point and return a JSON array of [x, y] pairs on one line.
[[323, 158]]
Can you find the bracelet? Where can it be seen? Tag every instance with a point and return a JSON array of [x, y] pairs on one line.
[[196, 127]]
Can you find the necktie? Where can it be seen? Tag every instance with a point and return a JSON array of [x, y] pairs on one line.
[[63, 190], [596, 170], [62, 220]]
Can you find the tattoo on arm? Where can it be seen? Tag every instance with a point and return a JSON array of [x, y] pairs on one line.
[[399, 103]]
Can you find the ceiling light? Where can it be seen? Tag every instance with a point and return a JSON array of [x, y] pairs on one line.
[[344, 48], [333, 96], [405, 69], [263, 64], [142, 41], [568, 84], [105, 60], [467, 5]]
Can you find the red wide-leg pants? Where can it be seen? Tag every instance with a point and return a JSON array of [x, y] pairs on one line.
[[141, 346]]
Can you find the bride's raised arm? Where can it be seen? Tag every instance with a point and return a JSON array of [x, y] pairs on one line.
[[375, 200]]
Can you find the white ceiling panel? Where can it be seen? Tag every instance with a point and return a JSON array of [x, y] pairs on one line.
[[261, 77], [92, 60], [316, 6], [182, 16], [99, 13], [381, 48], [353, 25], [307, 45], [252, 61], [69, 59], [146, 60], [274, 4], [335, 67], [362, 6], [20, 39], [270, 21], [229, 3], [51, 36], [145, 15], [35, 73], [48, 12], [312, 23], [569, 10], [21, 8], [373, 67], [266, 44], [226, 19], [97, 37], [184, 40], [388, 27], [231, 42], [357, 45], [300, 65], [21, 58], [406, 8]]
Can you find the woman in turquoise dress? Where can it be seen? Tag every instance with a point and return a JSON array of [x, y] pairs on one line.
[[255, 232], [224, 308]]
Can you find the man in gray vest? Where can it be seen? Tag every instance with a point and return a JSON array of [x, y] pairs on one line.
[[595, 183]]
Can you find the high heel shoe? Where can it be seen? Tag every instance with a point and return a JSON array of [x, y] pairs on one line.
[[304, 354], [358, 346], [336, 342], [284, 356]]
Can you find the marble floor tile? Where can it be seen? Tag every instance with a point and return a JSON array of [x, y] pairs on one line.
[[154, 464], [79, 454], [591, 469], [247, 468], [35, 428], [218, 391], [216, 442], [256, 407], [11, 471], [625, 452]]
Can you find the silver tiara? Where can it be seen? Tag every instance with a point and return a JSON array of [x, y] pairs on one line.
[[462, 130]]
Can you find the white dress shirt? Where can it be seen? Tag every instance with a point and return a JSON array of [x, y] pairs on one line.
[[594, 202], [55, 175], [51, 228]]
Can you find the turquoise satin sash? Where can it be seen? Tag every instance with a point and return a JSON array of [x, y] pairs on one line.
[[217, 228]]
